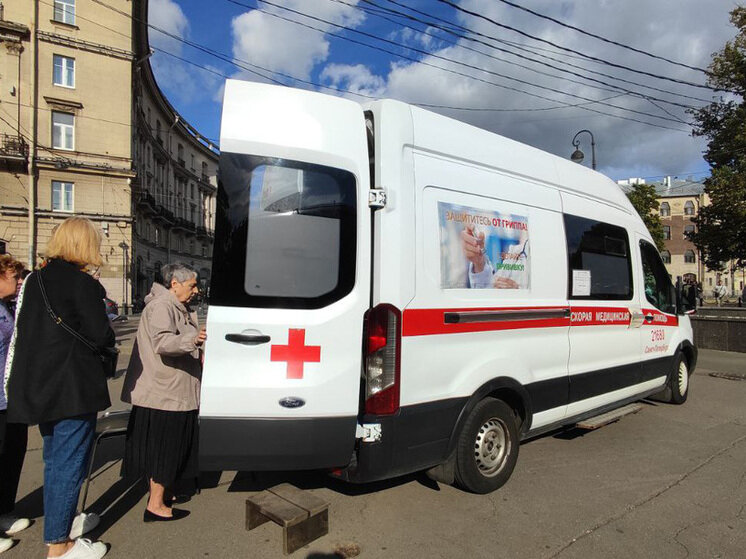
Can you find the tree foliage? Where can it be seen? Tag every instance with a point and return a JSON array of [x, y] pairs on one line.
[[721, 226], [644, 200]]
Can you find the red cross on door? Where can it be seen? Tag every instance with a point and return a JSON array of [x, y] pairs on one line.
[[295, 353]]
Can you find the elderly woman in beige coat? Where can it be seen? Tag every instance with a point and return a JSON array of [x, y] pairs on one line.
[[163, 384]]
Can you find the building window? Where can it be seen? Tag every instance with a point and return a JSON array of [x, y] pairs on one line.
[[665, 209], [688, 230], [689, 257], [666, 257], [62, 196], [64, 71], [64, 11], [63, 130], [666, 232], [689, 208]]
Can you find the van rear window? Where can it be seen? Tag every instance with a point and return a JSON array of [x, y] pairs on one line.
[[600, 252], [285, 233]]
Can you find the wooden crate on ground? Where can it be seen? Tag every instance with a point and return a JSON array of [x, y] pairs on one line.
[[304, 517]]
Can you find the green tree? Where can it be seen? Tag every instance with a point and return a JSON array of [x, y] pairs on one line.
[[644, 200], [721, 225]]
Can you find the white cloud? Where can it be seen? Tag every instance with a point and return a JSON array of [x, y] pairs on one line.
[[184, 83], [167, 15], [354, 78], [280, 46]]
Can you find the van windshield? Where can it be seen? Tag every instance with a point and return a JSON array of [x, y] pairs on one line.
[[285, 233]]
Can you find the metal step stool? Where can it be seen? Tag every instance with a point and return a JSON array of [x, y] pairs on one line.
[[110, 424], [304, 517]]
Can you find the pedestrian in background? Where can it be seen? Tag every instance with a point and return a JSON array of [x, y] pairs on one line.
[[163, 384], [13, 436], [719, 291], [57, 381]]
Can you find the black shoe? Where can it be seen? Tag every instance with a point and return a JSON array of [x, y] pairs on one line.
[[178, 514]]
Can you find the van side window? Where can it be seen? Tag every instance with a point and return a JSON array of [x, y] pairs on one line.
[[602, 250], [285, 233], [659, 291]]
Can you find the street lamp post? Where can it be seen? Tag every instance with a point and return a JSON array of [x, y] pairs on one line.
[[577, 156]]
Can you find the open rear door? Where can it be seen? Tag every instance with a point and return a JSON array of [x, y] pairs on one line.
[[290, 282]]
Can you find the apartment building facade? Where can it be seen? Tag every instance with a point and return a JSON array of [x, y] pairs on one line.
[[79, 117], [174, 192], [65, 108], [680, 201]]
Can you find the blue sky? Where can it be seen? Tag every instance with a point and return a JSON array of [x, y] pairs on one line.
[[541, 94]]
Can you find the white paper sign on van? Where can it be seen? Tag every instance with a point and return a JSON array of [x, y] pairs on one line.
[[483, 249]]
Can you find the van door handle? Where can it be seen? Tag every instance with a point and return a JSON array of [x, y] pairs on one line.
[[648, 318], [247, 339]]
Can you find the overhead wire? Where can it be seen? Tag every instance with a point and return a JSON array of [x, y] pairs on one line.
[[234, 61], [567, 49], [453, 28], [608, 86], [599, 37], [497, 74]]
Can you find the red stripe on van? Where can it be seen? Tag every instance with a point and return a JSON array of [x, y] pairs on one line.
[[661, 318], [425, 322]]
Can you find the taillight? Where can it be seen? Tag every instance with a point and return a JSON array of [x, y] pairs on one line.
[[382, 360]]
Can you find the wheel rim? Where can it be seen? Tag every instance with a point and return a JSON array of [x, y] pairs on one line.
[[683, 378], [491, 446]]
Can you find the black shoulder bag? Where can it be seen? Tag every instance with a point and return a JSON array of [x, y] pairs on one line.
[[108, 355]]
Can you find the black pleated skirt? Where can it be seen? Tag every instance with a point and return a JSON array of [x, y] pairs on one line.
[[161, 445]]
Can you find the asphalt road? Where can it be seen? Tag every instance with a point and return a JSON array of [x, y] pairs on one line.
[[667, 482]]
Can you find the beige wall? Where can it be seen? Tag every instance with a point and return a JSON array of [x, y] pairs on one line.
[[100, 164]]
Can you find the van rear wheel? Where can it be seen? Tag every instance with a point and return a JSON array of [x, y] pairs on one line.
[[487, 447]]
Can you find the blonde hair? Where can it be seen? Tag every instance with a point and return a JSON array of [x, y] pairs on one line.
[[76, 240]]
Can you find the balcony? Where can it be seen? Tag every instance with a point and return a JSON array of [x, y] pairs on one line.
[[13, 149], [182, 162], [205, 178]]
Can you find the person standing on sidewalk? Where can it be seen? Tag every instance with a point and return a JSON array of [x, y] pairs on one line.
[[162, 384], [13, 436], [55, 380]]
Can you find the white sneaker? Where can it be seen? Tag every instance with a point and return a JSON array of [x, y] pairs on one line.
[[5, 544], [84, 523], [85, 549], [12, 524]]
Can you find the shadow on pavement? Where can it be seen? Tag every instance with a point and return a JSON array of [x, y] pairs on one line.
[[32, 505], [259, 481], [121, 497]]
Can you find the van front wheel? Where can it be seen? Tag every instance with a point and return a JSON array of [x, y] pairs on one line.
[[487, 447], [680, 380]]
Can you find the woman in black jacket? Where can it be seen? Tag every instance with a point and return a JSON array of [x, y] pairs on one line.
[[55, 380]]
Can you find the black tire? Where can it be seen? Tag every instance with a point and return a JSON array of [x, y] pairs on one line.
[[678, 384], [487, 447]]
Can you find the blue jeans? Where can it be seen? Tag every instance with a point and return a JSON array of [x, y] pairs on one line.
[[67, 444]]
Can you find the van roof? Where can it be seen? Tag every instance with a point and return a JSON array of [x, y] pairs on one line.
[[440, 134]]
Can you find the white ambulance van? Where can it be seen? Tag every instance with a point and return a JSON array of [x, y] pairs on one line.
[[395, 291]]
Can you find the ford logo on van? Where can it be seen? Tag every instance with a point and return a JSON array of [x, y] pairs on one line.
[[292, 402]]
